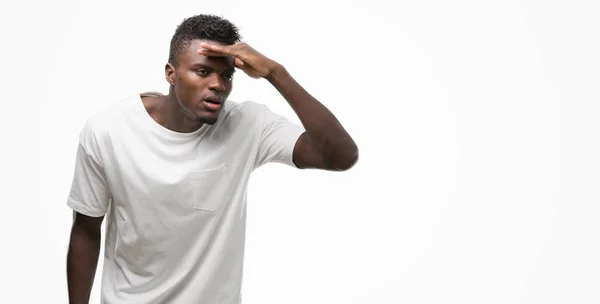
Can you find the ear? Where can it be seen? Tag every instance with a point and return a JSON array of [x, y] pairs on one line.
[[170, 73]]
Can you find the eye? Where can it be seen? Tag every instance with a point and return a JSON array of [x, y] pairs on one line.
[[228, 76], [202, 72]]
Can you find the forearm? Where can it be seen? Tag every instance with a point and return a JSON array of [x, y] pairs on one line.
[[82, 261], [332, 141]]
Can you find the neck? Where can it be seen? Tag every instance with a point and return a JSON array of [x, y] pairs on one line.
[[171, 115]]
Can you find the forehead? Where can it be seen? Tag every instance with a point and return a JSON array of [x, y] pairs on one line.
[[189, 56]]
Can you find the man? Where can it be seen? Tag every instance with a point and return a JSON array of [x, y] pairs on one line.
[[169, 172]]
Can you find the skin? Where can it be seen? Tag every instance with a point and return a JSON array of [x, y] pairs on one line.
[[205, 70], [192, 79], [82, 257], [325, 144]]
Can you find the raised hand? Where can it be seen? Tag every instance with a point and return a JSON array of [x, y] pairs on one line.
[[252, 62]]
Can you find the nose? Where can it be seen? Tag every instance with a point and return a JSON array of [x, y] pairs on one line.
[[216, 83]]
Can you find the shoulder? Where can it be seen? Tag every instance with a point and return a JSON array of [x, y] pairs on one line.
[[245, 113], [101, 124], [245, 109]]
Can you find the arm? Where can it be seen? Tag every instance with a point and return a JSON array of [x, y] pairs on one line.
[[82, 256], [89, 199], [325, 144]]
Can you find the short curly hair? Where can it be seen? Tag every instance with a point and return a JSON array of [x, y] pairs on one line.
[[203, 27]]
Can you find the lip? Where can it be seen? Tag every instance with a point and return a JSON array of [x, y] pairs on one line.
[[211, 106], [212, 103], [214, 99]]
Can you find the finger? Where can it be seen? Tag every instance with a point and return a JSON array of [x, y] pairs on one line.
[[210, 53], [238, 63], [218, 49]]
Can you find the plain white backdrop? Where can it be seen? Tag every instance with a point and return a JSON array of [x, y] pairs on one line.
[[477, 121]]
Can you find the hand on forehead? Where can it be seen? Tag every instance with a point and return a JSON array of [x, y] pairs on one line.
[[191, 57]]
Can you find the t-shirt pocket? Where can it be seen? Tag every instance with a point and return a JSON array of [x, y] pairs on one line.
[[210, 188]]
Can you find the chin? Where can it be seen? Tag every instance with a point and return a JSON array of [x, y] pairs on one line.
[[209, 119]]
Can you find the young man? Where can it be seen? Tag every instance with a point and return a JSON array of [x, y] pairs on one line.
[[169, 173]]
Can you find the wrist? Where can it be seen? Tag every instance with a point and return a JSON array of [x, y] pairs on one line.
[[277, 71]]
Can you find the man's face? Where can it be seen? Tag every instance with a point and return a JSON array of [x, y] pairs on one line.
[[201, 84]]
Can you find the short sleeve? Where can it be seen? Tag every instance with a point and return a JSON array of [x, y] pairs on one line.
[[278, 139], [89, 193]]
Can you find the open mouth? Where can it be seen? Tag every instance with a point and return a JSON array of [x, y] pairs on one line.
[[213, 103]]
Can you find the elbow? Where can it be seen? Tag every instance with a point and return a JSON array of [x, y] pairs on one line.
[[344, 157], [347, 163]]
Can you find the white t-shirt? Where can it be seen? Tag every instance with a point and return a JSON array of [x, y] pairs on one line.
[[175, 203]]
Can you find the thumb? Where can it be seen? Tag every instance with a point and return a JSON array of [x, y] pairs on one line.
[[238, 63]]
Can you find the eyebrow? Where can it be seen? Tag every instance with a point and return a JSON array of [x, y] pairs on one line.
[[204, 66], [200, 65]]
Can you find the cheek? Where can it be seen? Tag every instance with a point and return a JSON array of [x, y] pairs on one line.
[[189, 86]]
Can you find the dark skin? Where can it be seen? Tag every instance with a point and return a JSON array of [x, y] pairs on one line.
[[192, 79], [82, 257], [325, 144], [204, 71]]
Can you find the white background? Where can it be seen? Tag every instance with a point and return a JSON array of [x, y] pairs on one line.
[[477, 121]]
